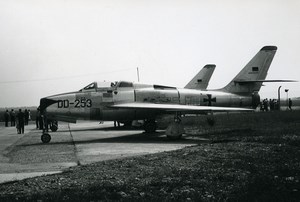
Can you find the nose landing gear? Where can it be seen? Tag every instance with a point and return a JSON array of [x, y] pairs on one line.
[[46, 138], [53, 126]]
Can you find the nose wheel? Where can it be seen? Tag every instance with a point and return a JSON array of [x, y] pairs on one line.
[[45, 138]]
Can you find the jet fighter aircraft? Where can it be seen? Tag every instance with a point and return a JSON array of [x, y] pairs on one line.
[[125, 101]]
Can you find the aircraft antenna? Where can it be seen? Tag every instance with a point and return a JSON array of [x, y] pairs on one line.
[[138, 74]]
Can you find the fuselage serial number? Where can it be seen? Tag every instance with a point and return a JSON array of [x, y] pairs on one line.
[[78, 103]]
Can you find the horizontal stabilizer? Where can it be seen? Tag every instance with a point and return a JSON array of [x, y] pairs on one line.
[[262, 81]]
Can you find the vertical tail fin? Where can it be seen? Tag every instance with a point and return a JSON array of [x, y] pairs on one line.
[[250, 78], [201, 80]]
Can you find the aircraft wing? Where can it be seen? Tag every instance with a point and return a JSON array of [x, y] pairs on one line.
[[176, 107]]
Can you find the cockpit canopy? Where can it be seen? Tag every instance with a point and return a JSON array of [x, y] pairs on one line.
[[105, 85], [124, 84], [90, 86]]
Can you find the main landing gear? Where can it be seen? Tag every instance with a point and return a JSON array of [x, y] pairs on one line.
[[175, 129], [150, 125], [210, 119]]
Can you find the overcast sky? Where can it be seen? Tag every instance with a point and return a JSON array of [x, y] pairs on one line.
[[50, 47]]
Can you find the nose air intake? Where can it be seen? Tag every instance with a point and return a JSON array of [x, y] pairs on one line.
[[45, 102]]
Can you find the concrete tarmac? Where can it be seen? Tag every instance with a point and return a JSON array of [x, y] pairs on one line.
[[24, 155]]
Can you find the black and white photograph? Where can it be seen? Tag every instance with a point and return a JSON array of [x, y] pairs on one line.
[[138, 100]]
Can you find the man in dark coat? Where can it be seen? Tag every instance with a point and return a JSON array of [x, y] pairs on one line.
[[12, 118], [37, 115], [21, 121], [26, 114], [290, 103], [6, 118]]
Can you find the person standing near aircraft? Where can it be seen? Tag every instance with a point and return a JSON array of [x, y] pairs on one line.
[[37, 118], [290, 103], [12, 118], [26, 114], [21, 120], [29, 115], [271, 103], [6, 118], [266, 104], [41, 121], [261, 106]]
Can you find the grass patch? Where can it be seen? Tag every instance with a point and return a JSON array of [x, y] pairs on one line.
[[250, 157]]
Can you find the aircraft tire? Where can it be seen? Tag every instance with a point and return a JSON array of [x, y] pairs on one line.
[[175, 131], [45, 138], [53, 127]]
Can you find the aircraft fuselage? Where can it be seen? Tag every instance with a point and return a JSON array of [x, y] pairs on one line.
[[95, 104]]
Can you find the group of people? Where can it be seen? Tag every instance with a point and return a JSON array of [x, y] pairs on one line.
[[267, 105], [19, 119], [273, 104]]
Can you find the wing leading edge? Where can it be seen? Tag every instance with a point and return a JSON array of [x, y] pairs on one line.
[[176, 107]]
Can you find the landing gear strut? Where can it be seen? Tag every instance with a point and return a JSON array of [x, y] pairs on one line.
[[211, 120], [53, 125], [175, 129], [150, 126], [45, 136]]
